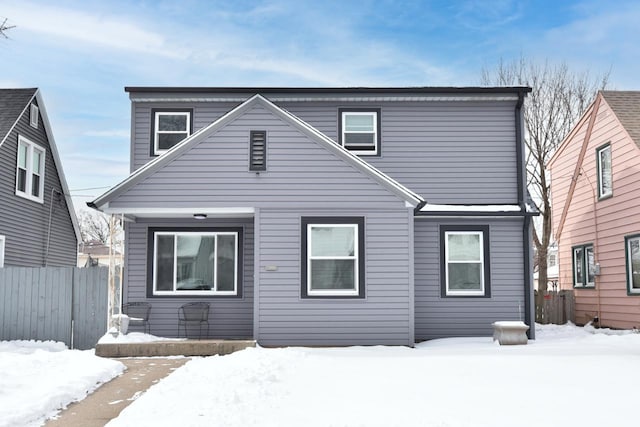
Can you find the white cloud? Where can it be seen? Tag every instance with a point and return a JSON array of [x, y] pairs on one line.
[[111, 31]]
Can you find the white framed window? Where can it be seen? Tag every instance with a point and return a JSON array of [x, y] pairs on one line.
[[360, 131], [33, 116], [605, 177], [169, 128], [552, 260], [30, 170], [332, 257], [584, 266], [465, 255], [3, 242], [195, 262], [632, 250]]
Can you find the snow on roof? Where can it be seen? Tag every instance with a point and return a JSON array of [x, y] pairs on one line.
[[470, 208]]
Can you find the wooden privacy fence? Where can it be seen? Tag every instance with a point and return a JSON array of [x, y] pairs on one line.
[[67, 304], [555, 307]]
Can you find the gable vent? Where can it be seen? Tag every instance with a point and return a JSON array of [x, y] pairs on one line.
[[258, 150]]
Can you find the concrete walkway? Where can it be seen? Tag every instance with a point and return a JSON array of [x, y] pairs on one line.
[[110, 399]]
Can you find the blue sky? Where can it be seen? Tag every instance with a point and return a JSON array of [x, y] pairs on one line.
[[82, 53]]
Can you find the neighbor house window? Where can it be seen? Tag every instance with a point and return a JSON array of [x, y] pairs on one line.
[[465, 261], [169, 128], [30, 170], [584, 266], [333, 257], [33, 119], [195, 262], [605, 177], [552, 260], [359, 130], [3, 241], [633, 264]]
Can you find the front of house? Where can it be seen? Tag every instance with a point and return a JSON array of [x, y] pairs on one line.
[[327, 216]]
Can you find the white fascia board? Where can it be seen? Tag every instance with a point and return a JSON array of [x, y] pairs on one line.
[[180, 212], [327, 142], [331, 145], [58, 163], [170, 154]]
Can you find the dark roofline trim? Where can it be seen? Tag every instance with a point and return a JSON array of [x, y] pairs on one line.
[[325, 90]]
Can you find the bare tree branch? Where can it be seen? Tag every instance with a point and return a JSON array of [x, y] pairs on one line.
[[558, 98], [4, 27]]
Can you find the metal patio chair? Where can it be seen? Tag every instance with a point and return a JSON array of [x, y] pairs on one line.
[[138, 313], [194, 313]]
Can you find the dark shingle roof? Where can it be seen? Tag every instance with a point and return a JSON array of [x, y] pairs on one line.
[[12, 102], [626, 106]]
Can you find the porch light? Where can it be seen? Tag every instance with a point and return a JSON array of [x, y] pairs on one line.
[[200, 216]]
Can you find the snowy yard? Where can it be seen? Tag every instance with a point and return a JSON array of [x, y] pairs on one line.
[[39, 378], [570, 376]]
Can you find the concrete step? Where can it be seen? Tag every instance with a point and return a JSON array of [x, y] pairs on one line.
[[173, 348]]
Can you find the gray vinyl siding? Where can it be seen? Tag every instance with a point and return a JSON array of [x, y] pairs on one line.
[[302, 179], [229, 317], [216, 172], [203, 114], [437, 316], [448, 152], [25, 222], [382, 317], [456, 152]]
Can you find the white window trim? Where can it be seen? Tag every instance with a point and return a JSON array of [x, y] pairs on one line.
[[355, 258], [31, 147], [175, 264], [374, 114], [157, 131], [585, 267], [453, 292], [33, 116], [601, 193], [629, 266], [3, 246]]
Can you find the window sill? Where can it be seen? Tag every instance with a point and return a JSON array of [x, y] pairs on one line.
[[29, 197]]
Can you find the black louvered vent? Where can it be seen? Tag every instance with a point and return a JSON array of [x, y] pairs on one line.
[[258, 151]]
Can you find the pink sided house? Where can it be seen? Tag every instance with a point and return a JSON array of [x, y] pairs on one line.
[[595, 177]]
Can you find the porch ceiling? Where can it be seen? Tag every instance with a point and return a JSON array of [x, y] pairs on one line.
[[210, 212]]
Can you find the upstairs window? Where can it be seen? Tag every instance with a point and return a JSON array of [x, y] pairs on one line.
[[30, 170], [465, 261], [33, 119], [584, 267], [605, 177], [169, 128], [359, 130]]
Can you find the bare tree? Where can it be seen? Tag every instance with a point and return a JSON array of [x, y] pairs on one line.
[[95, 227], [559, 97], [4, 27]]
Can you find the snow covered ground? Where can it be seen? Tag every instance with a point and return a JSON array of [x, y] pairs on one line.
[[37, 379], [570, 376]]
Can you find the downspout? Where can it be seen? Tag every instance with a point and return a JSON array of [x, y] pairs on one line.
[[526, 226], [595, 242], [521, 170], [46, 250]]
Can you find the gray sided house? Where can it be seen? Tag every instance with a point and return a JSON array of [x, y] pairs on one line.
[[38, 226], [320, 216]]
